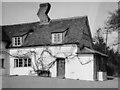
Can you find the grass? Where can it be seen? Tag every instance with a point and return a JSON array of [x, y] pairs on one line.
[[42, 82]]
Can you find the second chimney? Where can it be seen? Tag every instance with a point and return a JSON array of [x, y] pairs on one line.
[[43, 13]]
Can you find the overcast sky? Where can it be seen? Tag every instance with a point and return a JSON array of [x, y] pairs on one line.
[[25, 12]]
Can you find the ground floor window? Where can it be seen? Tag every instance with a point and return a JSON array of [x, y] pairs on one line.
[[2, 63], [22, 62]]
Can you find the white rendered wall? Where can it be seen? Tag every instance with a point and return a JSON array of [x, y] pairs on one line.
[[73, 66], [53, 71], [75, 70], [4, 55], [57, 51]]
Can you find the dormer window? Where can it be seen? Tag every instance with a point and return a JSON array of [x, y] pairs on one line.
[[59, 35], [57, 38], [17, 41], [19, 37]]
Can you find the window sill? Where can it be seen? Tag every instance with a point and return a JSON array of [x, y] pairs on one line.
[[16, 45]]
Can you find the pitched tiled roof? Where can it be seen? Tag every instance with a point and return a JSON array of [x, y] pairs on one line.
[[3, 35], [78, 31]]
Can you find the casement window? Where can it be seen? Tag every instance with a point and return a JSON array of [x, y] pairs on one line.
[[17, 41], [25, 62], [2, 63], [22, 62], [57, 38]]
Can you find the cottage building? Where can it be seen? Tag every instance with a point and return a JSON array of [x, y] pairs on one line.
[[62, 46]]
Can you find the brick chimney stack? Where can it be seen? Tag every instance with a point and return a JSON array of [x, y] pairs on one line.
[[43, 13]]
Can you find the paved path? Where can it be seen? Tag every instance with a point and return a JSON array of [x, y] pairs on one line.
[[40, 82]]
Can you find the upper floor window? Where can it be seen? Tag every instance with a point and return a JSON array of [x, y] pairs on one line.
[[17, 41], [57, 38]]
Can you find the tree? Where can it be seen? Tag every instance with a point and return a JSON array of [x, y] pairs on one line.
[[113, 61], [113, 24], [113, 21], [99, 43]]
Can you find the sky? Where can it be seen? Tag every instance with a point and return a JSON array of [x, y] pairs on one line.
[[25, 12]]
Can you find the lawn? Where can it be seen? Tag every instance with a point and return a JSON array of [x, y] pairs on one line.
[[41, 82]]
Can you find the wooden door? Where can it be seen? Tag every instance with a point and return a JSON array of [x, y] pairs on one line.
[[61, 67]]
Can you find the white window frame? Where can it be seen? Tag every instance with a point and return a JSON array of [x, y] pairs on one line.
[[23, 64], [17, 41], [57, 38]]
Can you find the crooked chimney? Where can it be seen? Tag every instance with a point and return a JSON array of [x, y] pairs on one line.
[[43, 13]]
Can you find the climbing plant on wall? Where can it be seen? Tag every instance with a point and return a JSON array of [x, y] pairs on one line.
[[39, 62]]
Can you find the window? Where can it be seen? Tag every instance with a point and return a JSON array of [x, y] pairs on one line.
[[16, 62], [2, 63], [17, 41], [57, 38], [22, 62], [25, 62], [29, 62]]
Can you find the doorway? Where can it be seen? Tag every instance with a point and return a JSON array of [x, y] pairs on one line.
[[60, 67]]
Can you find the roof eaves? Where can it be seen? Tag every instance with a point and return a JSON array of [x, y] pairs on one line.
[[60, 30], [42, 45], [68, 18], [86, 50]]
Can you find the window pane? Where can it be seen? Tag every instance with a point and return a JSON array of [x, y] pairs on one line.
[[58, 37], [18, 38], [2, 63], [25, 62], [17, 41], [29, 62], [15, 62], [20, 62], [55, 37]]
